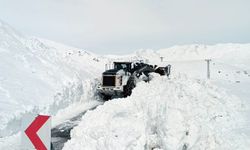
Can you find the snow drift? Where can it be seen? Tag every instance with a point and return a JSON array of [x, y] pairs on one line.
[[176, 113], [39, 76]]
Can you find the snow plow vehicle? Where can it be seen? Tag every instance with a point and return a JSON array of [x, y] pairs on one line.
[[120, 81]]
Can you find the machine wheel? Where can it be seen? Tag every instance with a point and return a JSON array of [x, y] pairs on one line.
[[129, 87], [106, 97]]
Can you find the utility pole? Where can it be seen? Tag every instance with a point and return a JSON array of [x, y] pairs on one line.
[[208, 67], [161, 58]]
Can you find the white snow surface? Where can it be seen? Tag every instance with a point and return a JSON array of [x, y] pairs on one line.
[[183, 112], [40, 76], [164, 114], [234, 54]]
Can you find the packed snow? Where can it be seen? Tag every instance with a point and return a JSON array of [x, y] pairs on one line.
[[185, 111], [176, 113], [181, 113], [38, 76]]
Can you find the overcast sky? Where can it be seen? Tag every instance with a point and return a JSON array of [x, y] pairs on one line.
[[122, 26]]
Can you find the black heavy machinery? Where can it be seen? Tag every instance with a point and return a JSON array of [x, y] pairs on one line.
[[120, 81]]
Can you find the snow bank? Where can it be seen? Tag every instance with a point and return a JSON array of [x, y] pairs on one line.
[[39, 76], [177, 113], [12, 142]]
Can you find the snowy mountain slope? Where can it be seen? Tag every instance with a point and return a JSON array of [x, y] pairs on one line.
[[40, 76], [197, 52], [179, 113], [235, 54]]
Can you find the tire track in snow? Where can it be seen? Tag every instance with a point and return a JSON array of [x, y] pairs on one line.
[[61, 133]]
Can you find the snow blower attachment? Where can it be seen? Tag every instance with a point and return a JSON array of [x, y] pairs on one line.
[[120, 81]]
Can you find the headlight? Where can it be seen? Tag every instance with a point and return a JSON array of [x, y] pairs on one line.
[[119, 80]]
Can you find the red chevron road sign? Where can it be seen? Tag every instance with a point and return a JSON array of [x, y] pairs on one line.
[[35, 128]]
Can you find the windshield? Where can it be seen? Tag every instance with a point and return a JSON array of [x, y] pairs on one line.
[[119, 66]]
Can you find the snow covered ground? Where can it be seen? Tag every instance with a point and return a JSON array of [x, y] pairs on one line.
[[176, 113], [40, 76], [183, 112]]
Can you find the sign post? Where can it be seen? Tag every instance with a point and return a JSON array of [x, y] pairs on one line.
[[37, 133]]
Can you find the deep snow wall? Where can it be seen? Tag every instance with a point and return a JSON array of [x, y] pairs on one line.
[[176, 113], [40, 76]]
